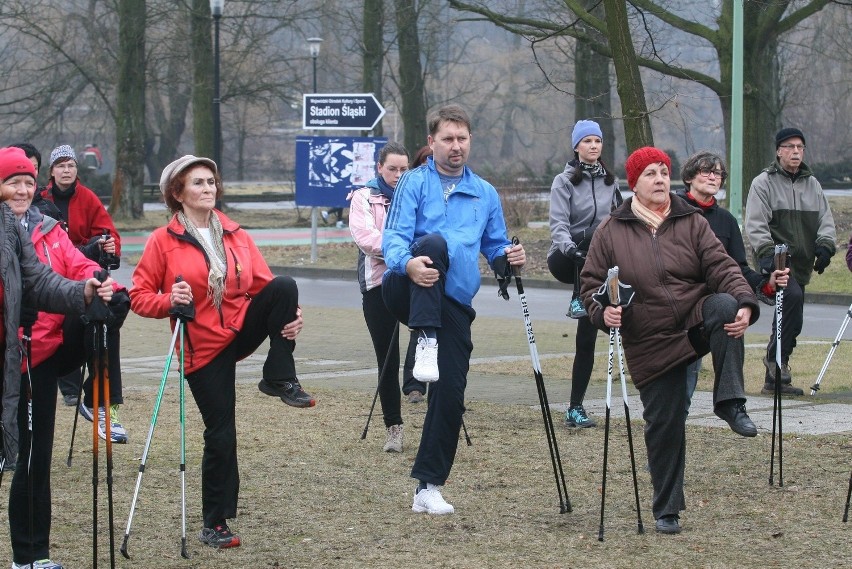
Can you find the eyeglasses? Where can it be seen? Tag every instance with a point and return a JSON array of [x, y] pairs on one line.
[[706, 172], [792, 146]]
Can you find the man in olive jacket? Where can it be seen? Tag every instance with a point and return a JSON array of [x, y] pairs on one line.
[[786, 204]]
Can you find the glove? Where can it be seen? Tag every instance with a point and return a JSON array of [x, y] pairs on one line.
[[766, 264], [823, 258], [92, 249], [503, 273], [29, 315]]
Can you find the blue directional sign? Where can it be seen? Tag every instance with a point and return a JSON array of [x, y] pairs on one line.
[[341, 112], [327, 169]]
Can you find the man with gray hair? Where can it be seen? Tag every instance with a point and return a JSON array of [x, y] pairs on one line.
[[786, 205]]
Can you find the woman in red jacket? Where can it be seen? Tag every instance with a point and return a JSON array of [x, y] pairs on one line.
[[238, 305], [87, 222]]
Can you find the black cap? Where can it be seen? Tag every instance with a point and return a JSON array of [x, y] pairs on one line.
[[786, 133]]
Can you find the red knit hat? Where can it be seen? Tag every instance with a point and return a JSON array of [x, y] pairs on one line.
[[14, 161], [640, 159]]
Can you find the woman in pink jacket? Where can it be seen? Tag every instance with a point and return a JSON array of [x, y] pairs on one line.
[[367, 212], [52, 354], [238, 305]]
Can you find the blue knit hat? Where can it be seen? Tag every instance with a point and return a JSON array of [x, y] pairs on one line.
[[583, 129]]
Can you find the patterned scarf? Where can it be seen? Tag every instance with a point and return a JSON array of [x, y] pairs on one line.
[[650, 217], [216, 255], [595, 170]]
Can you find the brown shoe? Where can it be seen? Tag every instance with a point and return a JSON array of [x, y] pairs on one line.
[[786, 376], [415, 397], [786, 389]]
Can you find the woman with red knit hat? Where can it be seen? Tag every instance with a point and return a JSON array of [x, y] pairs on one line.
[[691, 299], [28, 420]]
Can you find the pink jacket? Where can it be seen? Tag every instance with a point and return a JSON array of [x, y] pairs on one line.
[[366, 222], [54, 249]]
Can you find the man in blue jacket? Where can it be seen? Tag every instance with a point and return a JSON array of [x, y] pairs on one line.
[[441, 218]]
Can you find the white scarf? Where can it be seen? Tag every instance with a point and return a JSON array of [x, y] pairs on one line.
[[216, 276]]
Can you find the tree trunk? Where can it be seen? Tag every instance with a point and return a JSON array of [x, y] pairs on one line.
[[637, 124], [374, 47], [410, 76], [593, 91], [202, 75], [130, 113]]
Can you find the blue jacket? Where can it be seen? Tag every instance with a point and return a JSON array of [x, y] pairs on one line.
[[471, 221]]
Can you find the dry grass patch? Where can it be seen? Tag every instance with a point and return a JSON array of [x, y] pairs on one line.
[[314, 495]]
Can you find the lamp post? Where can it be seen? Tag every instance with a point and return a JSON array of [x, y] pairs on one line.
[[314, 48], [216, 7]]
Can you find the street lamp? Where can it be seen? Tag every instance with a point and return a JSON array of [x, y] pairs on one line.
[[314, 48], [216, 7]]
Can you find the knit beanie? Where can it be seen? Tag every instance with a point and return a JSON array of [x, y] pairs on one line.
[[583, 129], [179, 165], [13, 162], [63, 151], [786, 133], [640, 159]]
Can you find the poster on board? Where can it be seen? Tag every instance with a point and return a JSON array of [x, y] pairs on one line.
[[328, 168]]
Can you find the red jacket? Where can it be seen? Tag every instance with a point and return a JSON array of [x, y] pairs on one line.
[[87, 216], [54, 249], [171, 251]]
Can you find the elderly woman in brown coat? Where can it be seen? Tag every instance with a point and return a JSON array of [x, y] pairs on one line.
[[691, 299]]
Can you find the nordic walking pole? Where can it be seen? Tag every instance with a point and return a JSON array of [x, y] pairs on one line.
[[780, 264], [614, 293], [394, 344], [183, 314], [620, 349], [154, 416], [848, 496], [76, 414], [834, 344], [182, 378], [558, 474], [606, 430], [28, 350]]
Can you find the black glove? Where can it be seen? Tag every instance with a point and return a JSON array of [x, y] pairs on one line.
[[29, 316], [766, 264], [503, 272], [823, 258], [92, 249]]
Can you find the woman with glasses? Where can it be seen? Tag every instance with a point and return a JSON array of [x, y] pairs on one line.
[[703, 174]]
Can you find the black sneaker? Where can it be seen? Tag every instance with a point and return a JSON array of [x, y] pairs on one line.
[[667, 524], [290, 392], [219, 536]]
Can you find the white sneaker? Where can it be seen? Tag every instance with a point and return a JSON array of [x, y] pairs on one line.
[[431, 501], [394, 440], [40, 564], [117, 432], [426, 360]]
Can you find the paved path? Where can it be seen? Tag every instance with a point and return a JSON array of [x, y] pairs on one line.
[[334, 352]]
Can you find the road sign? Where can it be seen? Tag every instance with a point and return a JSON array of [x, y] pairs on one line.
[[328, 168], [341, 111]]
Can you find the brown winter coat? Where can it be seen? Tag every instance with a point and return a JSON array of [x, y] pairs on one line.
[[672, 272]]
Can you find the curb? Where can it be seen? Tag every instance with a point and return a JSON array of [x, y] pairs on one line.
[[351, 274]]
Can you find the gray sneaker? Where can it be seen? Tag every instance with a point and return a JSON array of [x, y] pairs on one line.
[[394, 440]]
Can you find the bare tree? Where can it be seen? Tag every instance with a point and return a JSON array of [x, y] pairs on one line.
[[130, 112], [411, 83], [655, 22]]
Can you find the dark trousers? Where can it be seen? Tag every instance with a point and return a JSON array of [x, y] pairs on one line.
[[565, 270], [417, 306], [79, 337], [381, 324], [666, 401], [34, 467], [213, 388], [792, 314]]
